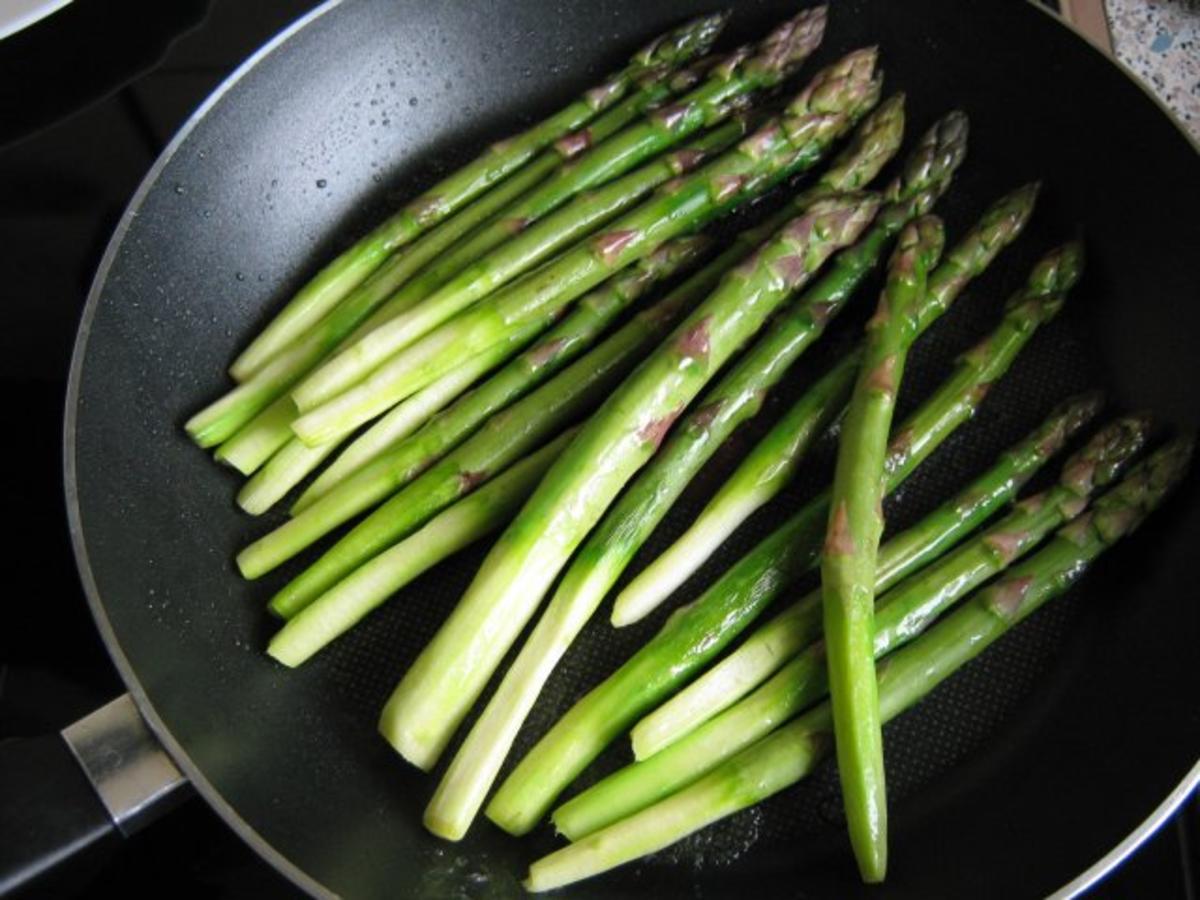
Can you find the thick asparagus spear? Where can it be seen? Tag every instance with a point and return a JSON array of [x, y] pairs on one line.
[[901, 614], [295, 459], [852, 543], [907, 676], [343, 606], [343, 274], [256, 441], [730, 86], [772, 645], [522, 253], [796, 140], [390, 467], [780, 268], [770, 465], [740, 394], [505, 437], [416, 455], [698, 632]]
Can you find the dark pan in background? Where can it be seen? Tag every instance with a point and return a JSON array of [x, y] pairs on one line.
[[1011, 781]]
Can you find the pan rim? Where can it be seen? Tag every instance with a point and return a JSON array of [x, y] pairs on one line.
[[1078, 885]]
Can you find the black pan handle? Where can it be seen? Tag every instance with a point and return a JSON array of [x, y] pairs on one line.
[[73, 794]]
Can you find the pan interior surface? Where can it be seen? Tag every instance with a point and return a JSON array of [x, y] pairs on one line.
[[1010, 780]]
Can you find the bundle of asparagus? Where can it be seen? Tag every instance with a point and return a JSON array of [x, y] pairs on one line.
[[501, 349]]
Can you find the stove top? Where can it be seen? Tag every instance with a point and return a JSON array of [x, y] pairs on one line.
[[73, 148]]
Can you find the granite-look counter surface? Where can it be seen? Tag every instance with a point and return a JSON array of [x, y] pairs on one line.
[[1160, 41]]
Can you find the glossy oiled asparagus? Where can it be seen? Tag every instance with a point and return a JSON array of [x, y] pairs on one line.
[[730, 86], [797, 139], [790, 753], [341, 276], [772, 645], [697, 633], [771, 463], [779, 268], [901, 614], [340, 608]]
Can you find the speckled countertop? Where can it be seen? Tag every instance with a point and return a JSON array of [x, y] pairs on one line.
[[1160, 41]]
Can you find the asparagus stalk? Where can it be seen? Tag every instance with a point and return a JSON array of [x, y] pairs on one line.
[[479, 276], [852, 543], [770, 465], [346, 272], [698, 632], [906, 677], [416, 455], [254, 443], [295, 459], [796, 140], [339, 609], [747, 297], [505, 437], [740, 394], [244, 401], [729, 87], [901, 614], [772, 645]]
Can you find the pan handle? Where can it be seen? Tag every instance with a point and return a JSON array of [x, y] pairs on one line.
[[76, 793]]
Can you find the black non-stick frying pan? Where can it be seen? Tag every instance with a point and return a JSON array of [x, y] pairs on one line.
[[1013, 780]]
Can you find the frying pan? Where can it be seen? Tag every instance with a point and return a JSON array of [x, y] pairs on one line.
[[1035, 769]]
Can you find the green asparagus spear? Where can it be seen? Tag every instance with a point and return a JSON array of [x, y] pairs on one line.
[[229, 412], [901, 614], [339, 609], [836, 98], [770, 465], [906, 676], [730, 86], [295, 459], [780, 268], [342, 275], [852, 543], [416, 455], [698, 632], [765, 651], [505, 437], [258, 440]]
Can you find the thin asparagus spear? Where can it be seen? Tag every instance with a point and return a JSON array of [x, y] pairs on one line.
[[416, 455], [523, 252], [339, 609], [729, 87], [740, 394], [295, 459], [900, 615], [770, 465], [342, 275], [698, 632], [505, 437], [745, 299], [772, 645], [852, 543], [905, 677], [796, 140]]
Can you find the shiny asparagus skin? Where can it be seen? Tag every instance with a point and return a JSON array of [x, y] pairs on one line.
[[339, 277], [779, 268], [905, 677], [901, 614], [740, 394], [505, 435], [693, 636], [852, 543], [773, 644], [796, 140], [478, 277], [476, 515]]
